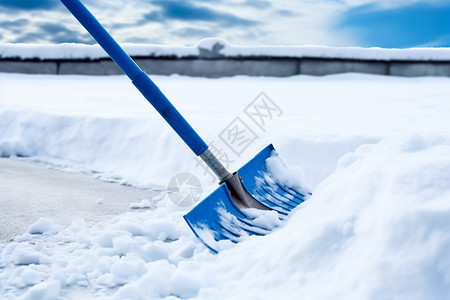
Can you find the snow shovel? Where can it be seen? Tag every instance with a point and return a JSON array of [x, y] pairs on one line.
[[228, 214]]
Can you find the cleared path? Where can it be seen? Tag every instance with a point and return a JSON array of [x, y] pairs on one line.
[[29, 191]]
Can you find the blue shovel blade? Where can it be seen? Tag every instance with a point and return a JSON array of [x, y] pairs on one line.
[[218, 222]]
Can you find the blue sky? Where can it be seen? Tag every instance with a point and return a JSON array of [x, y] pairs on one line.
[[365, 23], [420, 23]]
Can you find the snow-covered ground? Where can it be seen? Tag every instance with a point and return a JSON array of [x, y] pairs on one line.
[[374, 150]]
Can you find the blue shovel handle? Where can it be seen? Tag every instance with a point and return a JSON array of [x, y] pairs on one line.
[[139, 78]]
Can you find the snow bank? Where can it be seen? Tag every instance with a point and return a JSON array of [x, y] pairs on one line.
[[375, 150], [103, 126], [213, 47], [376, 228], [94, 145]]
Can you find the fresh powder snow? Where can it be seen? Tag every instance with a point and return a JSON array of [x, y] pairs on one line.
[[374, 151]]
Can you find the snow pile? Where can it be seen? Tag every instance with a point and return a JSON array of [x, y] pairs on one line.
[[44, 225], [103, 126], [215, 47], [375, 150], [379, 227], [125, 249], [101, 145]]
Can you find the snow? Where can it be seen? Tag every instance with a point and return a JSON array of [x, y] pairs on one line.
[[45, 290], [374, 150], [219, 47], [43, 225], [268, 219], [83, 51], [144, 203]]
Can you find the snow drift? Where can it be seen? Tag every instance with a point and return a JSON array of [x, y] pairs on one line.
[[376, 228], [375, 150]]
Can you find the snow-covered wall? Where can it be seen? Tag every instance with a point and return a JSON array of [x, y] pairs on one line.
[[215, 48], [216, 58]]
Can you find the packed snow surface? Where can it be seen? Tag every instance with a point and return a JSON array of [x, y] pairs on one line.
[[219, 47], [374, 150]]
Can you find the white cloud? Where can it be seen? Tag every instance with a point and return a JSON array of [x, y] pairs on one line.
[[283, 22], [390, 4]]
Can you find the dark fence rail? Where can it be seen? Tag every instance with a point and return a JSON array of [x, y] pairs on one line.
[[231, 66]]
